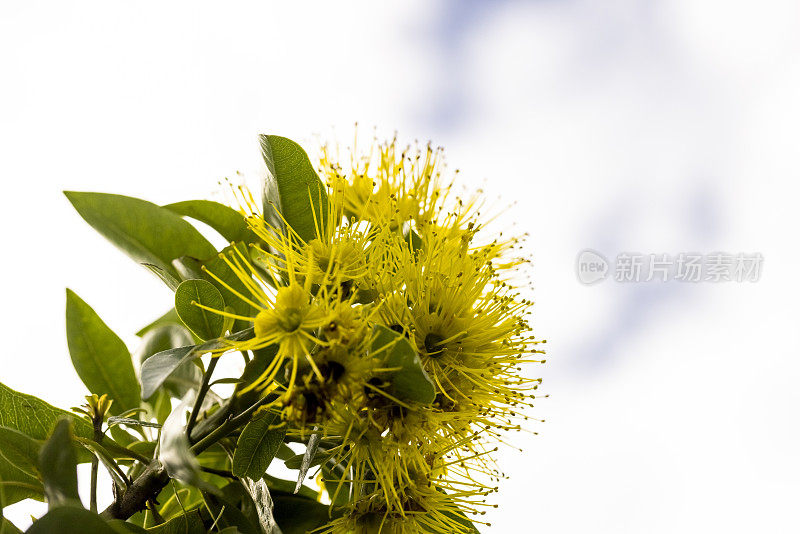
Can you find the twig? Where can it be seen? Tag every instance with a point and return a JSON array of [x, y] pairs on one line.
[[201, 395], [150, 483]]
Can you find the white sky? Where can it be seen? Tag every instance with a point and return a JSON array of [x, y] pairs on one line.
[[656, 127]]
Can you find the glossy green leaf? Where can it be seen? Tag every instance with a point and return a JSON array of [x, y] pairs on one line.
[[34, 417], [257, 446], [219, 273], [169, 336], [17, 484], [173, 445], [70, 520], [19, 449], [293, 188], [99, 356], [408, 380], [160, 338], [190, 523], [6, 526], [298, 515], [173, 448], [58, 466], [146, 232], [227, 221], [157, 368], [120, 435], [296, 462], [204, 323]]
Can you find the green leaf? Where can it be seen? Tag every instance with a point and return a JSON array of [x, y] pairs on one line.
[[227, 221], [18, 485], [177, 502], [21, 450], [293, 188], [174, 453], [257, 446], [189, 523], [187, 376], [34, 417], [70, 520], [99, 356], [157, 368], [12, 491], [105, 457], [284, 452], [298, 515], [409, 382], [146, 232], [58, 465], [145, 448], [165, 277], [296, 462], [173, 448], [170, 317], [219, 273], [205, 324]]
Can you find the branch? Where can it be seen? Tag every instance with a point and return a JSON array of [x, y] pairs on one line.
[[147, 486]]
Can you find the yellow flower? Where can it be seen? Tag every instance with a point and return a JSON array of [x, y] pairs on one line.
[[389, 186], [397, 250], [290, 322]]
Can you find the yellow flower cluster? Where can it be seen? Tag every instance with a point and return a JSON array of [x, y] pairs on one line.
[[407, 441]]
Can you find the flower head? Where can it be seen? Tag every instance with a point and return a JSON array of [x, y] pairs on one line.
[[396, 249]]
